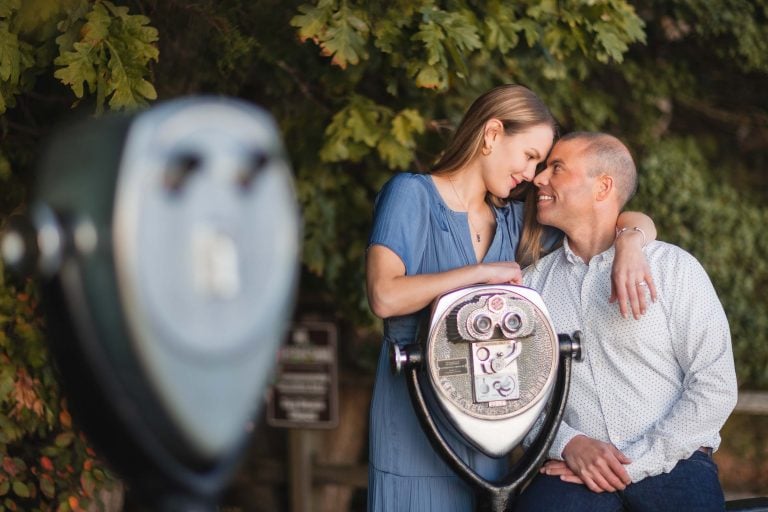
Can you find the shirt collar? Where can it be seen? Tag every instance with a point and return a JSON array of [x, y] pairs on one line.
[[602, 259]]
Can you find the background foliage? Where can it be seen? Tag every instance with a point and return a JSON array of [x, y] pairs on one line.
[[53, 53], [365, 89]]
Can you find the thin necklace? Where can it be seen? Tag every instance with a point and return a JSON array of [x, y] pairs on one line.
[[466, 207]]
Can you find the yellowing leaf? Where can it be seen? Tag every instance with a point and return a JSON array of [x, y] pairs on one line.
[[9, 466], [145, 89], [613, 45], [38, 16], [96, 29], [405, 123], [364, 125], [355, 129], [345, 43], [429, 78], [312, 22], [9, 55], [20, 489], [47, 486], [65, 419], [342, 34], [64, 439], [396, 155], [8, 6], [87, 483], [78, 67]]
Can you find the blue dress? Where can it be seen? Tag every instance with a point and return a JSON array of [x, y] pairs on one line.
[[406, 474]]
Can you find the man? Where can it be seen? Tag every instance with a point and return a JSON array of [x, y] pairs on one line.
[[650, 396]]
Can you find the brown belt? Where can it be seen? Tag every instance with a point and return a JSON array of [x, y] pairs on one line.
[[705, 449]]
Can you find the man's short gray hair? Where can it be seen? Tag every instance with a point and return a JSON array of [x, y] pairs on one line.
[[608, 155]]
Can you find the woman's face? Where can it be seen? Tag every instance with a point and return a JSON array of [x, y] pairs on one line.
[[513, 158]]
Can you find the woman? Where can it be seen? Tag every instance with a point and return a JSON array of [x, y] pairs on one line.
[[446, 230]]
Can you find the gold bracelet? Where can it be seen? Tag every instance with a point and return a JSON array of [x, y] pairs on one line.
[[622, 230]]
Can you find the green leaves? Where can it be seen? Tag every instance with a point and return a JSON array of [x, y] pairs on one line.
[[106, 51], [47, 486], [9, 54], [341, 31], [432, 43], [502, 27], [20, 489], [111, 56], [738, 26], [709, 218], [16, 57], [363, 126], [7, 7], [601, 30], [51, 462], [445, 38], [78, 69], [102, 48]]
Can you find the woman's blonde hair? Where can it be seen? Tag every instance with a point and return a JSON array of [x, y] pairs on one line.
[[529, 248], [519, 109]]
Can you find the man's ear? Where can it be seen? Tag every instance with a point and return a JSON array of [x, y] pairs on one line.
[[603, 187]]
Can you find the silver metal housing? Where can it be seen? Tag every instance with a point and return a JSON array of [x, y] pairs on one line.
[[454, 355]]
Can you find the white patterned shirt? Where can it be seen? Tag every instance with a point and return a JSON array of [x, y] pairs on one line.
[[657, 388]]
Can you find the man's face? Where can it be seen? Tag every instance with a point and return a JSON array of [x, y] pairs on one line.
[[566, 191]]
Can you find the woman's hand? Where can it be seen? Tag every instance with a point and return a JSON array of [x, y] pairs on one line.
[[559, 468], [631, 276], [504, 272]]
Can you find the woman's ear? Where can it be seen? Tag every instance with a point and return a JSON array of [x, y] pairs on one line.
[[493, 129], [603, 187]]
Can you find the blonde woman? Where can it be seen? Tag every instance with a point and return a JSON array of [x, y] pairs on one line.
[[451, 228]]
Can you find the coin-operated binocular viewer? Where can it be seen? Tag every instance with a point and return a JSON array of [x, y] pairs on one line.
[[491, 358], [167, 245]]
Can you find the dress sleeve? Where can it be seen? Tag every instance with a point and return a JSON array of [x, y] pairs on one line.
[[401, 218]]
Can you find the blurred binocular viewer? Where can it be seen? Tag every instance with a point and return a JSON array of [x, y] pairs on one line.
[[491, 360], [167, 245]]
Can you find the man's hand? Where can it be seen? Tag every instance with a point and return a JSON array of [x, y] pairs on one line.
[[599, 465]]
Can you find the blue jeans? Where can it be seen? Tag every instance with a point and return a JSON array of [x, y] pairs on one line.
[[692, 485]]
